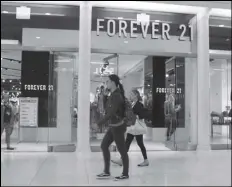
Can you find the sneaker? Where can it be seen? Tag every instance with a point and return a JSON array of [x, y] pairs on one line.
[[10, 148], [103, 176], [144, 163], [122, 177], [118, 162]]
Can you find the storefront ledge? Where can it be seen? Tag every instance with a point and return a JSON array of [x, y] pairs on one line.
[[181, 146], [97, 148], [203, 147], [62, 148], [220, 146]]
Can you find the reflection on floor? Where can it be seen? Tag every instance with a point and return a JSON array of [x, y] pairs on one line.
[[167, 168], [150, 145], [26, 147], [217, 139]]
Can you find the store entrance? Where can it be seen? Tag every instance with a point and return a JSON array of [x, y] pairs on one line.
[[41, 88], [159, 79]]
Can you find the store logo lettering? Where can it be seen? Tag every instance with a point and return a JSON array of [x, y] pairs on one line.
[[169, 90], [38, 87], [122, 25]]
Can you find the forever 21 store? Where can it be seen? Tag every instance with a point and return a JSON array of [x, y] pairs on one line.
[[66, 51]]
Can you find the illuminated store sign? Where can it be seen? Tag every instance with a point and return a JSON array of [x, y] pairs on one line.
[[168, 90], [159, 30], [38, 87]]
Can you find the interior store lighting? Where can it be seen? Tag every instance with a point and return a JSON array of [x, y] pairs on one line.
[[220, 12], [9, 42], [221, 25], [148, 6]]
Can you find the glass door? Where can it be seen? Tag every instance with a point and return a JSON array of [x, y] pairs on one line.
[[62, 103], [182, 124], [220, 103], [180, 78], [228, 107], [102, 65]]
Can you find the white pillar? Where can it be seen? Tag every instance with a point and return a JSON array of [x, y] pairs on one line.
[[83, 125], [203, 80]]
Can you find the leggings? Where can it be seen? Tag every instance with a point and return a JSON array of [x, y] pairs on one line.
[[139, 139], [115, 134]]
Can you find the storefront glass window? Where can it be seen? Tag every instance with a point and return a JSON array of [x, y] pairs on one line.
[[220, 83], [149, 52], [39, 66]]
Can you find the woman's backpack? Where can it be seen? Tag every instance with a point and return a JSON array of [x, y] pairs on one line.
[[130, 117]]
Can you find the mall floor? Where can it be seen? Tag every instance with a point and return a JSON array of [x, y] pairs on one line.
[[167, 168]]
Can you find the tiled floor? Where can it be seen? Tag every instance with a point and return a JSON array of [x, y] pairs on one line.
[[166, 168]]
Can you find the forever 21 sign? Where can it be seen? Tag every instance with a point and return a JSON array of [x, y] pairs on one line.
[[133, 27]]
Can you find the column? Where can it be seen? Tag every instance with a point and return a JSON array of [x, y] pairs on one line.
[[191, 100], [83, 141], [203, 80]]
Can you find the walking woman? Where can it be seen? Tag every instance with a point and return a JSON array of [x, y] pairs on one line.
[[114, 115], [139, 129]]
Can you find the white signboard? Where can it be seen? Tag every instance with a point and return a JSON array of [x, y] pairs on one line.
[[28, 111]]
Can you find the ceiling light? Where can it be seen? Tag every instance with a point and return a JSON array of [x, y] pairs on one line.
[[5, 12], [37, 37], [10, 80], [167, 75], [3, 80], [120, 17], [221, 25], [157, 21], [48, 14]]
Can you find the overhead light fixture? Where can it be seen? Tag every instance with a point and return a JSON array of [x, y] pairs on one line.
[[48, 14], [101, 63], [221, 25], [23, 12], [3, 80], [9, 42], [37, 37], [120, 17], [157, 21], [5, 12], [143, 18], [10, 80]]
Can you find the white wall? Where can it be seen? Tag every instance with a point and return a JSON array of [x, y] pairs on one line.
[[48, 38]]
